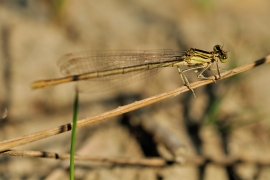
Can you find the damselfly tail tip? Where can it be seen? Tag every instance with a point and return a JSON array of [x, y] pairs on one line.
[[37, 85], [33, 86]]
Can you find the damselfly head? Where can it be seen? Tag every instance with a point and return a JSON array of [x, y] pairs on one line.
[[221, 53]]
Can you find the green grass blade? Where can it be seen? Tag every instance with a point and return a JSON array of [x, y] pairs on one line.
[[73, 134]]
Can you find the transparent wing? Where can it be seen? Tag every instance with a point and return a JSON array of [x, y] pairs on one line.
[[112, 83], [95, 61]]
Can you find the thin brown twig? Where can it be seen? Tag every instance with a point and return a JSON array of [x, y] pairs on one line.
[[151, 162], [7, 144]]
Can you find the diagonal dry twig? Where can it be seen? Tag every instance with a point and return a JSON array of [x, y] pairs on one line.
[[7, 144]]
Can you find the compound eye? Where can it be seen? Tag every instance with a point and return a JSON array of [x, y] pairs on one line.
[[223, 58], [217, 48]]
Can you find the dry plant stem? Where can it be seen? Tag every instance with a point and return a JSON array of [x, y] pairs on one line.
[[7, 144], [151, 162]]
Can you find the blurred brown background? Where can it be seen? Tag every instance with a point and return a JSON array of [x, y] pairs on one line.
[[228, 118]]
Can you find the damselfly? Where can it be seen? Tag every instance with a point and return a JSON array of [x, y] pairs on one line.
[[118, 68]]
